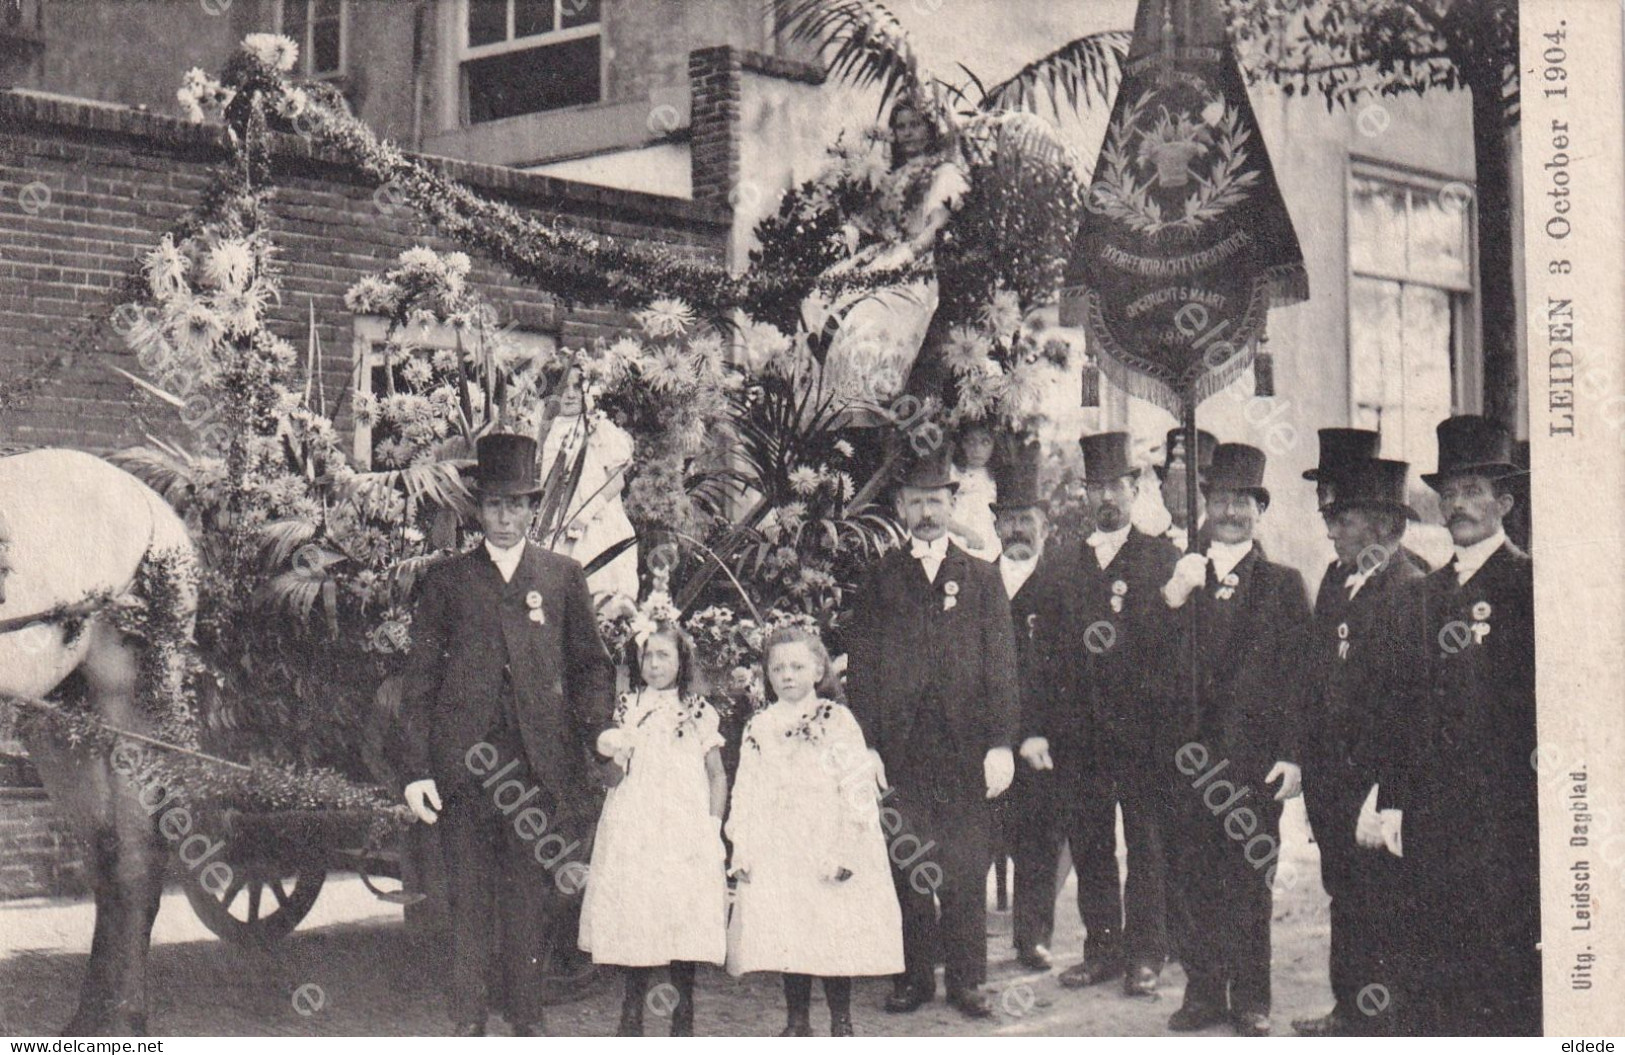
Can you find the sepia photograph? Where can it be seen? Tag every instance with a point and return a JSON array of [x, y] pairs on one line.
[[750, 518]]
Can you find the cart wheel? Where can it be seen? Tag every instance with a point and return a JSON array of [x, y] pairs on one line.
[[262, 904]]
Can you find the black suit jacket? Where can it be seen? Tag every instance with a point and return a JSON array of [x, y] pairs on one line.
[[1467, 781], [1251, 654], [908, 648], [468, 626], [1359, 664]]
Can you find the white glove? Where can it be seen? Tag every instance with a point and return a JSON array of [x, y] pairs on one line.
[[879, 769], [1035, 749], [1391, 824], [998, 769], [1190, 574], [423, 800], [1291, 780], [1368, 828]]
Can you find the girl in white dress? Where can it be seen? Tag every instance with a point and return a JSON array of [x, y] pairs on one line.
[[657, 890], [815, 894], [973, 503], [597, 519]]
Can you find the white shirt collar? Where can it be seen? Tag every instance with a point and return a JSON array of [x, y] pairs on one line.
[[1471, 558], [506, 560], [1107, 544], [1226, 555], [935, 550], [1015, 573]]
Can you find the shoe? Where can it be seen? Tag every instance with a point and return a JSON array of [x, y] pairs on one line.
[[798, 1027], [840, 1026], [1250, 1023], [526, 1029], [909, 997], [1193, 1017], [1034, 959], [1141, 981], [1080, 975], [468, 1029], [972, 1003], [1331, 1024]]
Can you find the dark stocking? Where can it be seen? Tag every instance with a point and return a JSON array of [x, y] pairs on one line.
[[838, 994], [637, 989], [798, 1004], [682, 1016]]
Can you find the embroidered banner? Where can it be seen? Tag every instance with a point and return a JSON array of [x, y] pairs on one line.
[[1187, 243]]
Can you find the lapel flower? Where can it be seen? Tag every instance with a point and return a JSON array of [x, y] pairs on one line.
[[1224, 593], [1481, 611], [1119, 588], [1342, 631], [950, 595], [533, 599], [1481, 630], [1231, 580], [1117, 604]]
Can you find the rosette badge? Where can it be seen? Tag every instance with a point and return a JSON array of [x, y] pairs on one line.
[[950, 594], [533, 601]]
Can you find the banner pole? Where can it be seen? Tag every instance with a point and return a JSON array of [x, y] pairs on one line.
[[1192, 457]]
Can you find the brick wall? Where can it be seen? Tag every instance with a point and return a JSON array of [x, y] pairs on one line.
[[85, 189], [39, 855]]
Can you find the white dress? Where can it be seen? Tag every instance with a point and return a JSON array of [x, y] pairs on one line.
[[657, 889], [596, 503], [882, 328], [973, 507], [804, 806]]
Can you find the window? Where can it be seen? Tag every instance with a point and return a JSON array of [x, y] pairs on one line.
[[1410, 308], [368, 349], [318, 27], [526, 56]]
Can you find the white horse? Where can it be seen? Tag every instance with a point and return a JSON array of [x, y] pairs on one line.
[[74, 525]]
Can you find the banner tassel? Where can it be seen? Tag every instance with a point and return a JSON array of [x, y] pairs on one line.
[[1263, 374]]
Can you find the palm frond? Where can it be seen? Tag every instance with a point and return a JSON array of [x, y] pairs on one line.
[[862, 42], [298, 589], [1080, 72], [439, 482], [283, 537], [164, 467]]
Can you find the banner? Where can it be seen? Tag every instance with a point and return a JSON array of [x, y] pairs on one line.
[[1187, 243]]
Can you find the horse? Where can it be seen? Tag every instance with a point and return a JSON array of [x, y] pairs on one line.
[[74, 526]]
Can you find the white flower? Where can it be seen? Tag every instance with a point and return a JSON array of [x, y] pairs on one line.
[[419, 257], [457, 265], [665, 317], [1002, 317], [166, 268], [229, 264], [200, 329], [275, 50], [804, 480], [372, 295], [445, 360], [965, 350], [843, 448]]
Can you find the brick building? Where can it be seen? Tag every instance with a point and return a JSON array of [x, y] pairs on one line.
[[673, 121]]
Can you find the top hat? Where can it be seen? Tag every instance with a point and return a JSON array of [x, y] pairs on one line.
[[1237, 467], [1016, 477], [929, 470], [1105, 457], [1174, 448], [1339, 447], [1469, 443], [1371, 483], [507, 465]]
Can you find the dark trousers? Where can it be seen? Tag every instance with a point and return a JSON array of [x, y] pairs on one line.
[[501, 896], [1224, 870], [1032, 826], [1088, 821], [939, 857], [1363, 885], [1143, 795]]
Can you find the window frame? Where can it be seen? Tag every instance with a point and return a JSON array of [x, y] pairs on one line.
[[1466, 352], [464, 53], [368, 335], [306, 52]]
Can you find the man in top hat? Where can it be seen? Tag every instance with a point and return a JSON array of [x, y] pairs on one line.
[[1243, 623], [1462, 806], [507, 688], [932, 680], [1038, 579], [1362, 614], [1171, 473], [1339, 449], [1106, 726]]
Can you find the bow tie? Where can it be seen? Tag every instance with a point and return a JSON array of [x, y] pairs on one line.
[[1099, 540]]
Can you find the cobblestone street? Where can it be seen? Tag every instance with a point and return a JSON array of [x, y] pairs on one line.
[[352, 969]]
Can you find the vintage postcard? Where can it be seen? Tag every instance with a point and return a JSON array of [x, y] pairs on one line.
[[811, 518]]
